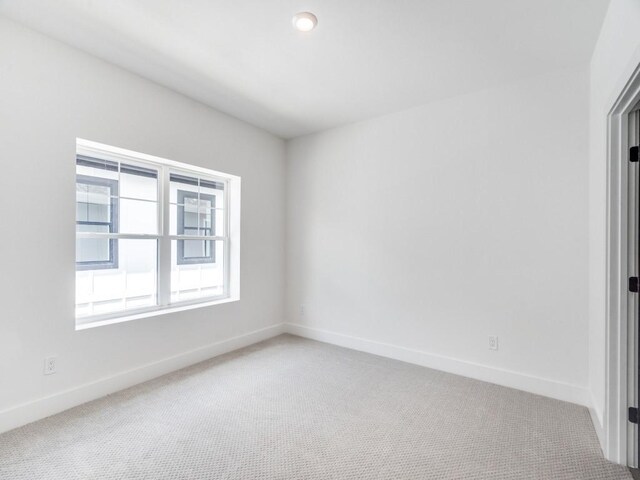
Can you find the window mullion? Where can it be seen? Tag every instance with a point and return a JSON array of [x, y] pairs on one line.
[[164, 247]]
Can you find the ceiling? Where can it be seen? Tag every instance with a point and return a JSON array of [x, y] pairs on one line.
[[365, 58]]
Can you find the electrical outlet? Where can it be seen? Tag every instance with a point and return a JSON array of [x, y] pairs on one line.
[[50, 365], [301, 311], [493, 342]]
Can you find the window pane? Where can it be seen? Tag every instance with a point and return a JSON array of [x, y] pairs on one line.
[[182, 183], [93, 202], [203, 273], [214, 189], [137, 216], [190, 212], [131, 285], [93, 250], [96, 168], [98, 212], [206, 214], [200, 250], [138, 182], [206, 188], [205, 221], [196, 206]]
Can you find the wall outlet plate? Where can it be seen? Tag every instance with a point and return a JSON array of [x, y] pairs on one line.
[[493, 342], [50, 365]]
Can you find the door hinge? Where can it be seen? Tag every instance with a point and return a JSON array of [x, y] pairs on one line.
[[633, 284], [634, 154], [633, 414]]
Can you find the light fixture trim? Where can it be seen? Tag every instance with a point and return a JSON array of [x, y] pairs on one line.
[[305, 21]]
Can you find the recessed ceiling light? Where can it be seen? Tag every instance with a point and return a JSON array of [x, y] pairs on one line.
[[305, 21]]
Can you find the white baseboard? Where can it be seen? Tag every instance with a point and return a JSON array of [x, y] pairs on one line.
[[528, 383], [598, 425], [43, 407]]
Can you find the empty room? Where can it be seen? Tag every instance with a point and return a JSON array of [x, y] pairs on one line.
[[320, 239]]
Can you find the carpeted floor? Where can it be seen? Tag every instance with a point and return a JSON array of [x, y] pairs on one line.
[[291, 408]]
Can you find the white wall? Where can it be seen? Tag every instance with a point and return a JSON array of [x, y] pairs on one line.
[[616, 55], [51, 94], [432, 228]]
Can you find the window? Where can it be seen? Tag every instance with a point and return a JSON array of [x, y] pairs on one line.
[[151, 235]]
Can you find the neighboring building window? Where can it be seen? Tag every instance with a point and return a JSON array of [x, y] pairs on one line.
[[96, 211], [194, 218], [150, 234]]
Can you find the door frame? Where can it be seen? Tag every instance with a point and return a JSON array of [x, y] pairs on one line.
[[615, 427]]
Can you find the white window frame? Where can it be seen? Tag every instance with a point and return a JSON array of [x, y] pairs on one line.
[[164, 237]]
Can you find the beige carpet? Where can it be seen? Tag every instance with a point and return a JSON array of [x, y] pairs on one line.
[[291, 408]]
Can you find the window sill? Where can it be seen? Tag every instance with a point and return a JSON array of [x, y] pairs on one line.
[[151, 312]]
